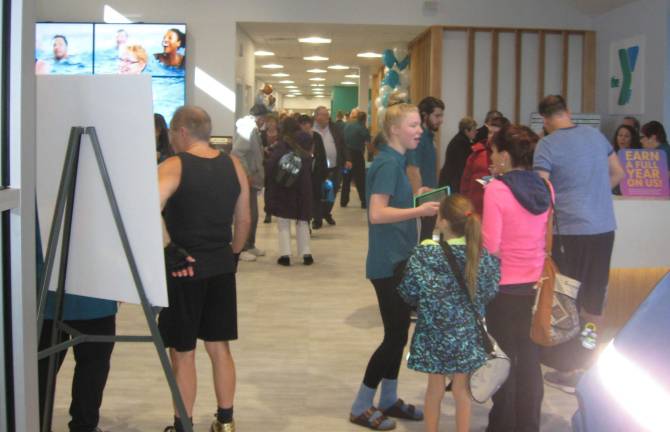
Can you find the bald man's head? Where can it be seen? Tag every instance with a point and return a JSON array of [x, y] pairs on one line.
[[194, 120]]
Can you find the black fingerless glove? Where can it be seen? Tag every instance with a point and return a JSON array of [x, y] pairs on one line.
[[236, 260], [175, 258]]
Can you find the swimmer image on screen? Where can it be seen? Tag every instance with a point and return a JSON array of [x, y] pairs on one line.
[[174, 40], [132, 59], [65, 49]]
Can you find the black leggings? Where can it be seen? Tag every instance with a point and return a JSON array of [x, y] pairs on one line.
[[92, 363], [385, 361]]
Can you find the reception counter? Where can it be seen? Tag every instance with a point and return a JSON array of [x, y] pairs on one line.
[[641, 256]]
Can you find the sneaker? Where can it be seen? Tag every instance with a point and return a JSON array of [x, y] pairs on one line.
[[563, 381], [247, 256], [307, 260], [217, 426], [257, 252], [330, 220], [316, 225], [284, 260]]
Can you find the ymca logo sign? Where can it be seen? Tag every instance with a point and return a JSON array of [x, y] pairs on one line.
[[627, 77]]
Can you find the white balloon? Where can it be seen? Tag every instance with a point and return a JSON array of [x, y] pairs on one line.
[[380, 115], [378, 101], [400, 53]]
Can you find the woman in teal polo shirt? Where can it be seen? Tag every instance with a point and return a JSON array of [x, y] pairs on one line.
[[391, 237]]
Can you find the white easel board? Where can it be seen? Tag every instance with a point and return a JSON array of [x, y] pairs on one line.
[[120, 108]]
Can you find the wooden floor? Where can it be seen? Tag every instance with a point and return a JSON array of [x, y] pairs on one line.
[[306, 334]]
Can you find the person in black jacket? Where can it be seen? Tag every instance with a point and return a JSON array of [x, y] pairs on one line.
[[483, 132], [457, 153], [319, 163], [337, 158]]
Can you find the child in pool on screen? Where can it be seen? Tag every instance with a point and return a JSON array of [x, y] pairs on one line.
[[446, 340]]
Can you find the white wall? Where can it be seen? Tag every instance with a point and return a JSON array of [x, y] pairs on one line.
[[648, 18], [454, 76], [245, 73], [212, 25]]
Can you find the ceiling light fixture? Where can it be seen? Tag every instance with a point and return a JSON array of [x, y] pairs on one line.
[[317, 79], [348, 83], [264, 53], [290, 95], [315, 40], [352, 76], [315, 58], [291, 87], [280, 75], [319, 71], [286, 82], [369, 54], [318, 85], [272, 66], [338, 67]]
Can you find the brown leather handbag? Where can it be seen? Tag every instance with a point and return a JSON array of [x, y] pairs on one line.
[[555, 314]]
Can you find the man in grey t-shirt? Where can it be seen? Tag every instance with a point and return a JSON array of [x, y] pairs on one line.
[[583, 168]]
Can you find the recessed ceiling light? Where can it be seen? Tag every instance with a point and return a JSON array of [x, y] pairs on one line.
[[286, 82], [290, 95], [317, 71], [264, 53], [319, 96], [315, 58], [291, 87], [369, 54], [295, 91], [318, 85], [348, 83], [338, 67], [315, 40], [280, 75], [317, 79], [272, 66], [352, 76]]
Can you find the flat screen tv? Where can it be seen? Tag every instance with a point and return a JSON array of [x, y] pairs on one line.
[[158, 50]]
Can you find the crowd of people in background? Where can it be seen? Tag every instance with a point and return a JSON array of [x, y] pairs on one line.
[[478, 253]]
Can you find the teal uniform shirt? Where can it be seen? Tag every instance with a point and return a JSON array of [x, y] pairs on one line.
[[356, 135], [389, 244], [424, 157]]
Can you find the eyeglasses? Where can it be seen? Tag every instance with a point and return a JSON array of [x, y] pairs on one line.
[[127, 61]]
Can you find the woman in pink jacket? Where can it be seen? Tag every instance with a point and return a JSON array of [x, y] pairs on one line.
[[516, 208]]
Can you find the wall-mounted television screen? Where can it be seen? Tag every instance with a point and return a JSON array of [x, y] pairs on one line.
[[158, 50]]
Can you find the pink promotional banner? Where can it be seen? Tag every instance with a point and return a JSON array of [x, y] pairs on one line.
[[646, 173]]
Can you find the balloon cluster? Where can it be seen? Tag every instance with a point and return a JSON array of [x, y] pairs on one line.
[[396, 79]]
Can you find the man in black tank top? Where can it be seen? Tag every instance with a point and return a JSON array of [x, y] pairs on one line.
[[205, 198]]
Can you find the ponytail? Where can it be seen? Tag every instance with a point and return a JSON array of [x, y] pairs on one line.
[[463, 222]]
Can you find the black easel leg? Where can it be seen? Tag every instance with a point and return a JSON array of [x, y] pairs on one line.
[[146, 306], [71, 173]]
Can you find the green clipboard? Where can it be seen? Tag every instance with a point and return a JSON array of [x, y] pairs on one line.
[[436, 195]]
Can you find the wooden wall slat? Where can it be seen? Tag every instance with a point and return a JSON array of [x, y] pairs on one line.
[[566, 65], [470, 98], [589, 72], [517, 76], [495, 61], [542, 60]]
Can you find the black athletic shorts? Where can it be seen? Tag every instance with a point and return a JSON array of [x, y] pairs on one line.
[[587, 259], [199, 309]]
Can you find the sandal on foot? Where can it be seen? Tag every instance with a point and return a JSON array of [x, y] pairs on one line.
[[404, 411], [373, 419]]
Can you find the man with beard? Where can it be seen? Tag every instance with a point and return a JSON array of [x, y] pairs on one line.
[[422, 161]]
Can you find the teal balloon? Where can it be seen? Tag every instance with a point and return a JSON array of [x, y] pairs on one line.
[[392, 79], [389, 58], [402, 65]]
